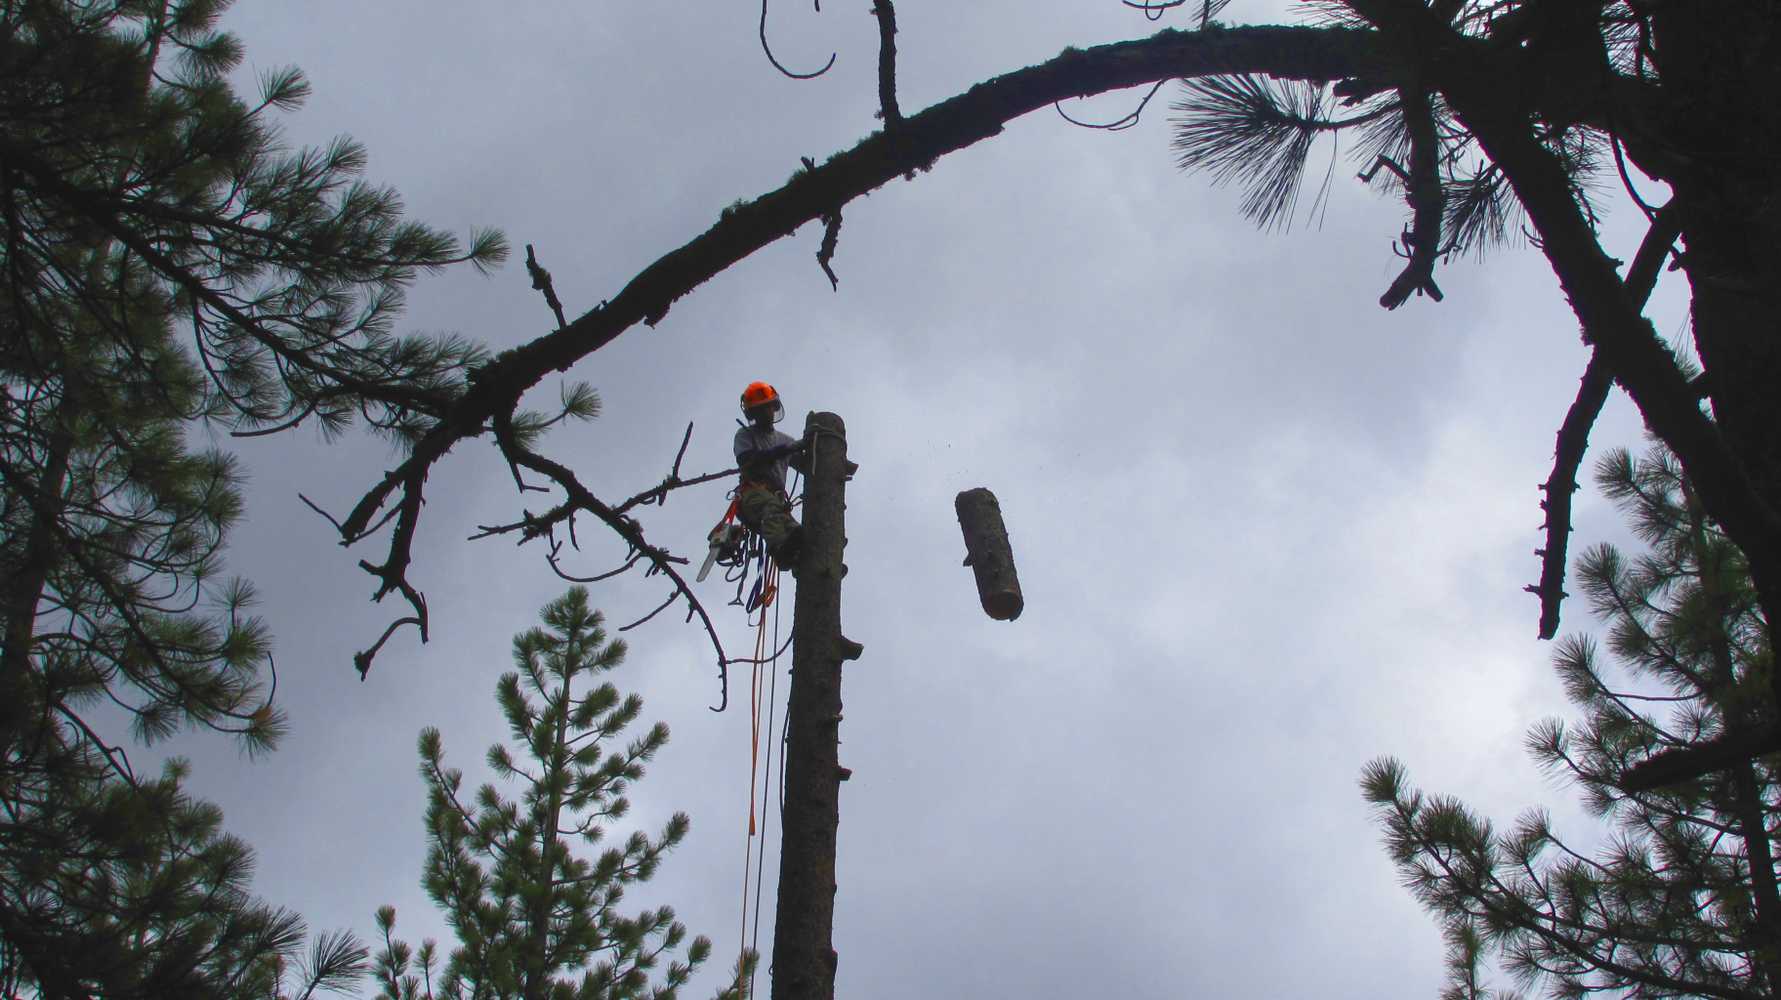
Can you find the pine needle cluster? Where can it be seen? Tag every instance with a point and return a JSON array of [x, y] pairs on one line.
[[1261, 133], [1681, 898]]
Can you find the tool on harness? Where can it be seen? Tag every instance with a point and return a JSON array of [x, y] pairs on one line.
[[724, 542], [733, 546], [738, 548]]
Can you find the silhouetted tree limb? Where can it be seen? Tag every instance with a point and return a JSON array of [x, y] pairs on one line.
[[660, 493], [1636, 356], [1470, 67], [831, 233], [541, 282], [1422, 189], [812, 194], [1687, 763], [768, 51], [1117, 124], [660, 559], [362, 659], [886, 13], [1573, 434], [1573, 439]]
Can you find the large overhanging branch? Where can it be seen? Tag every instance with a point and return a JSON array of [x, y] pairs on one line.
[[819, 192]]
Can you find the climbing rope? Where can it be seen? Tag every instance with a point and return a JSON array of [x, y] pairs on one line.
[[763, 687]]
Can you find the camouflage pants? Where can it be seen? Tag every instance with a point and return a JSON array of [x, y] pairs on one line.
[[767, 512]]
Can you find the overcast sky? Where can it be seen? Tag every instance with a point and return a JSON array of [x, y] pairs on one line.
[[1266, 530]]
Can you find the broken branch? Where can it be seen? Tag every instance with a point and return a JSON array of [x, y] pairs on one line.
[[886, 14], [825, 253], [1422, 189], [1573, 434], [541, 281]]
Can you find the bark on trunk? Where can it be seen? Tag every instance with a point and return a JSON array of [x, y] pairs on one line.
[[804, 956], [1725, 142]]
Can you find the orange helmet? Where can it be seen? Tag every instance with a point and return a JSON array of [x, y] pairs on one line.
[[759, 394]]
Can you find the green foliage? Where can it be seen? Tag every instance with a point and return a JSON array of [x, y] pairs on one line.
[[1260, 132], [532, 917], [167, 266], [1252, 130], [1680, 900], [130, 889]]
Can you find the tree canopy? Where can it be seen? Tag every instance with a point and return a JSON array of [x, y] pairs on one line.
[[1476, 111]]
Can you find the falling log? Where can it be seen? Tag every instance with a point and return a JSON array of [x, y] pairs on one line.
[[989, 555]]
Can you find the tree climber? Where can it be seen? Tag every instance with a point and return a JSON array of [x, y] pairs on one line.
[[762, 454]]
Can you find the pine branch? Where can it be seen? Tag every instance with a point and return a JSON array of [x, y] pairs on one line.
[[1673, 767], [1248, 129]]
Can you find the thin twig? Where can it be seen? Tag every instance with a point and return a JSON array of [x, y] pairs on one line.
[[1118, 125], [529, 525], [312, 505], [661, 561], [541, 281], [768, 49], [768, 659], [596, 578], [362, 660], [503, 426], [659, 608], [651, 495], [685, 439], [1154, 10]]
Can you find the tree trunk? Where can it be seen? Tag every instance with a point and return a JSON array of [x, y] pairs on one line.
[[25, 591], [803, 951], [1724, 143], [536, 984]]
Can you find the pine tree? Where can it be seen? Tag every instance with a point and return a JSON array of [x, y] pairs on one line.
[[166, 266], [1680, 900], [534, 919], [120, 888], [168, 263]]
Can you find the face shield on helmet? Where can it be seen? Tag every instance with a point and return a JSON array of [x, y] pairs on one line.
[[761, 401]]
